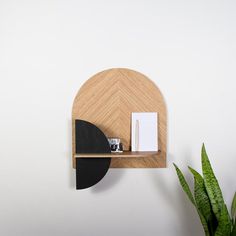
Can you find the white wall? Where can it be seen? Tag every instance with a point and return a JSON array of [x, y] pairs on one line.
[[49, 48]]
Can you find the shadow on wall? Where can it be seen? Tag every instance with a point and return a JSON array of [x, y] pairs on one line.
[[174, 197], [71, 170], [112, 177]]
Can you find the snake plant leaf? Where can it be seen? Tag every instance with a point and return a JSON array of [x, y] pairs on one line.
[[203, 203], [224, 226], [204, 223], [187, 190], [233, 233], [212, 185], [184, 184], [201, 198], [233, 208], [233, 215]]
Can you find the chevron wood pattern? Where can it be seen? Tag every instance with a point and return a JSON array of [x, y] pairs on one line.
[[108, 99]]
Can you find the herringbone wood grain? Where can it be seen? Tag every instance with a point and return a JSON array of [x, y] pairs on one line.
[[108, 99]]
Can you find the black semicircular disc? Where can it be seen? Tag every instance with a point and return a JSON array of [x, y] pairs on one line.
[[90, 139]]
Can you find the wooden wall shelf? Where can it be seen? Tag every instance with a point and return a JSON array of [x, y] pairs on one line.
[[126, 154], [107, 101]]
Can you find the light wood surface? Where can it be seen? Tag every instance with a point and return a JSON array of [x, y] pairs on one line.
[[126, 154], [108, 99]]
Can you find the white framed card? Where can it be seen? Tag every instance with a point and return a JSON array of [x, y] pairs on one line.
[[144, 131]]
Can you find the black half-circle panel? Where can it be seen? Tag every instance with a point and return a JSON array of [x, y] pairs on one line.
[[90, 139]]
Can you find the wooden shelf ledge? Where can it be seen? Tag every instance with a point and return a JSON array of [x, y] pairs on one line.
[[125, 154]]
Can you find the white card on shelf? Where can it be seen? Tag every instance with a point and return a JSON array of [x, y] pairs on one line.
[[144, 131]]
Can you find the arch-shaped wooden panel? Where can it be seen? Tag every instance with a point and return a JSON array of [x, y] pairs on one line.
[[108, 99]]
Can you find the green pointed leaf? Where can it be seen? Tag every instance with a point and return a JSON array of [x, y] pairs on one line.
[[224, 226], [204, 223], [233, 215], [233, 233], [233, 208], [201, 198], [212, 185], [203, 204], [184, 184]]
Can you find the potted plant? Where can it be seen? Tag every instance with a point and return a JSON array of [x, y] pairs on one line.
[[208, 200]]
